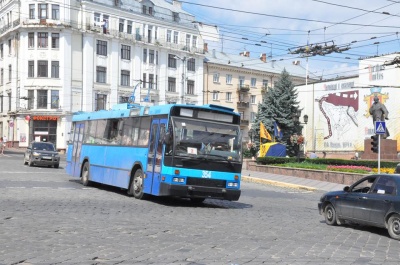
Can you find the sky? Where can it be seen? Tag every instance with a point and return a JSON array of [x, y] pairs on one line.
[[278, 28]]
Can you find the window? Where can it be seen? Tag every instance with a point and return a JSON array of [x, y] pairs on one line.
[[176, 37], [194, 41], [191, 64], [229, 79], [150, 11], [253, 82], [31, 40], [42, 69], [125, 78], [125, 52], [129, 27], [1, 50], [123, 99], [101, 101], [55, 99], [385, 185], [32, 11], [30, 99], [55, 40], [1, 76], [42, 11], [9, 72], [55, 69], [241, 81], [121, 25], [96, 18], [9, 47], [101, 47], [215, 95], [253, 99], [42, 39], [9, 101], [145, 55], [101, 74], [157, 57], [229, 96], [187, 41], [31, 68], [171, 84], [55, 12], [216, 78], [151, 81], [144, 82], [175, 16], [253, 116], [151, 56], [265, 83], [171, 61], [41, 99], [190, 87], [169, 33]]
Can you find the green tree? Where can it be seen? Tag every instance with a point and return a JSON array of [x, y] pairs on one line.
[[279, 104]]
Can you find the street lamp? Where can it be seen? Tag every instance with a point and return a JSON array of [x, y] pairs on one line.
[[296, 117], [251, 134]]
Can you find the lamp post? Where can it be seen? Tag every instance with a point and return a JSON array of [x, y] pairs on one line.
[[296, 119], [251, 135]]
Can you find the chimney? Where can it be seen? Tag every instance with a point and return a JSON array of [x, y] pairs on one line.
[[263, 57], [245, 54], [213, 53], [177, 3], [205, 46], [296, 62]]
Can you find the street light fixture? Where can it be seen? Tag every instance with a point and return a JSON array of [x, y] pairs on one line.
[[251, 134]]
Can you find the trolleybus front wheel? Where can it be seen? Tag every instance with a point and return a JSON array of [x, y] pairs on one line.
[[85, 174], [137, 185]]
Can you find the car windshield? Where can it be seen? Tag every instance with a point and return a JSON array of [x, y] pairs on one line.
[[43, 146], [213, 140]]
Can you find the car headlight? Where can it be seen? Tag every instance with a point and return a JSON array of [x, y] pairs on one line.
[[36, 154]]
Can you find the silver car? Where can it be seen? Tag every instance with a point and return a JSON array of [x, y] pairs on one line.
[[42, 154]]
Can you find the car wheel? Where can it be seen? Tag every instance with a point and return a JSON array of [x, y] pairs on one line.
[[394, 226], [56, 165], [330, 215], [85, 175], [137, 185], [25, 162]]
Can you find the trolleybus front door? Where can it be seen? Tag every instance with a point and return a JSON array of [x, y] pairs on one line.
[[154, 159]]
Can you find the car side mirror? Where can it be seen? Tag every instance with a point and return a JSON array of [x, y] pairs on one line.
[[346, 189]]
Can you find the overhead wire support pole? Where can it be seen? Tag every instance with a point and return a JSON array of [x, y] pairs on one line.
[[379, 154]]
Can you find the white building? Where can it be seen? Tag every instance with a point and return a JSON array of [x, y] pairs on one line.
[[338, 109], [63, 56]]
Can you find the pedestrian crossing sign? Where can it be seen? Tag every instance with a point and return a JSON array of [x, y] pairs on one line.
[[380, 127]]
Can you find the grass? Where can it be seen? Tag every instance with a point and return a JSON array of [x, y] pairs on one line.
[[349, 169]]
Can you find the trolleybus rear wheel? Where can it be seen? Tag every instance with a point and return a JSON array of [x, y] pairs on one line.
[[85, 174]]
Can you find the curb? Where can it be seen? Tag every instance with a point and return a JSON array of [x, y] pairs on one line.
[[277, 183]]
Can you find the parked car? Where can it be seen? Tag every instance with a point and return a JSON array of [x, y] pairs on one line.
[[373, 200], [42, 154]]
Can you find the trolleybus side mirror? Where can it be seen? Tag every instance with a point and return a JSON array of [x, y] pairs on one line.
[[167, 138]]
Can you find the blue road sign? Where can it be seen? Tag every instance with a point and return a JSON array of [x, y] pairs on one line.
[[380, 127]]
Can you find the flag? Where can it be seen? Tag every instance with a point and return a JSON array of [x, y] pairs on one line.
[[264, 133], [277, 131]]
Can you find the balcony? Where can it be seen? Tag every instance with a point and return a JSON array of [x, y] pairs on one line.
[[244, 88], [244, 122], [243, 105]]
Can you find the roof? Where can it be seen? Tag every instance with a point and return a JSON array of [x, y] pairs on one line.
[[254, 63]]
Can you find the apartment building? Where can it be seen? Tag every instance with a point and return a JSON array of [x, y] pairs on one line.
[[240, 81], [63, 56]]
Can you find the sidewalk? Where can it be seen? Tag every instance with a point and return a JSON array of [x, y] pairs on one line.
[[289, 182]]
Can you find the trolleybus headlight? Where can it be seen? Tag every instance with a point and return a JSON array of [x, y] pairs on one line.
[[180, 180], [233, 184]]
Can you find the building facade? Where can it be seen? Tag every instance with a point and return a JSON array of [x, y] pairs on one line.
[[239, 82], [338, 109], [59, 57]]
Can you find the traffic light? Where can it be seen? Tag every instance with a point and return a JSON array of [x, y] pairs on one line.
[[375, 143]]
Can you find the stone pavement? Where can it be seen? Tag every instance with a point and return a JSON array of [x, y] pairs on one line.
[[263, 178]]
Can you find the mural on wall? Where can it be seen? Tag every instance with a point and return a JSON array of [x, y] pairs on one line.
[[340, 111]]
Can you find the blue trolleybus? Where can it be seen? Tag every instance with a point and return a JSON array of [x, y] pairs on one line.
[[170, 150]]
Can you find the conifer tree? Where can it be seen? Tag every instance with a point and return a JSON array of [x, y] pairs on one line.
[[280, 105]]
